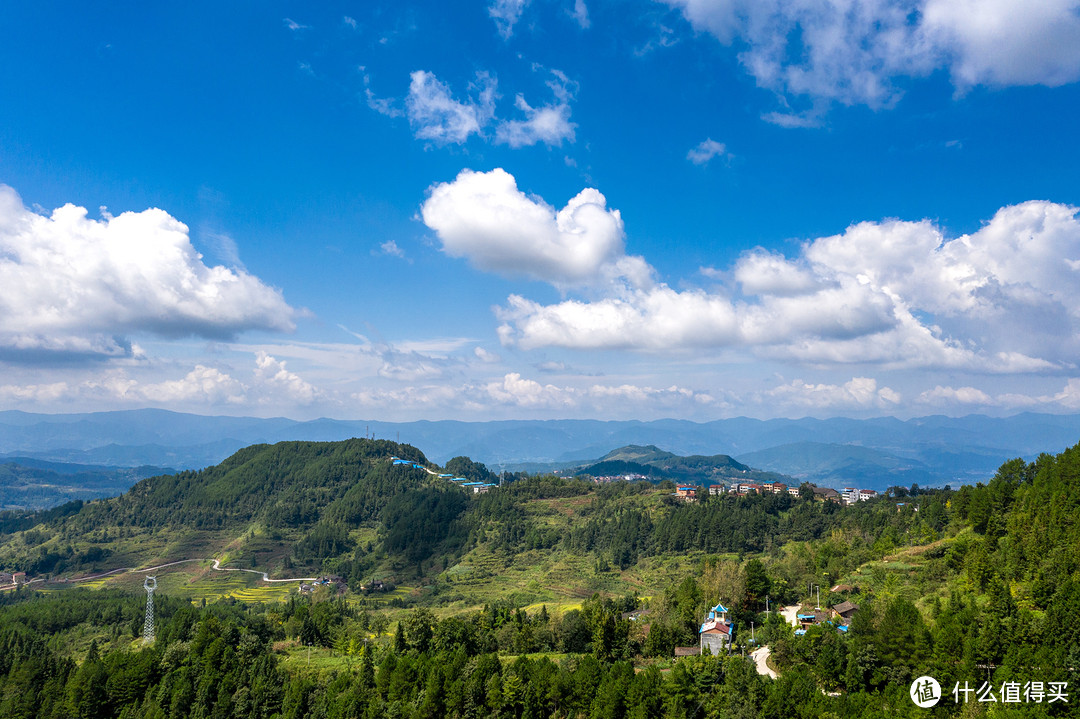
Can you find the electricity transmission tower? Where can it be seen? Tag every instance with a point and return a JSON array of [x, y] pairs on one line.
[[149, 584]]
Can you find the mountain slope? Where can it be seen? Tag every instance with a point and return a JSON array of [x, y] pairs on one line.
[[299, 501]]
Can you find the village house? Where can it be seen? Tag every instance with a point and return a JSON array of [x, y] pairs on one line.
[[715, 489], [822, 494], [716, 631], [686, 493], [845, 610]]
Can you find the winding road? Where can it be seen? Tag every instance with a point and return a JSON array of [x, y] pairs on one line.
[[761, 658], [216, 566]]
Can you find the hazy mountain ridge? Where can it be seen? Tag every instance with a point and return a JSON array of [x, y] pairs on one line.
[[28, 483], [950, 449]]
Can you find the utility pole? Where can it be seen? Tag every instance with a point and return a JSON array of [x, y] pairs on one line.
[[766, 603]]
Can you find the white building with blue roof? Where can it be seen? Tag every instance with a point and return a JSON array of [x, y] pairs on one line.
[[716, 631]]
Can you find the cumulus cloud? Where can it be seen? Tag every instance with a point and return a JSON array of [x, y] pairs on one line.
[[851, 52], [767, 273], [485, 218], [998, 42], [954, 395], [506, 14], [207, 384], [73, 285], [706, 150], [1004, 299], [270, 383], [858, 393], [437, 116], [277, 382]]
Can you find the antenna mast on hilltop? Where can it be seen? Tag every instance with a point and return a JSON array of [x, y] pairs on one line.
[[149, 584]]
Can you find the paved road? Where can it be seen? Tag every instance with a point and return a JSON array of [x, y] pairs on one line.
[[790, 614], [760, 657], [217, 566]]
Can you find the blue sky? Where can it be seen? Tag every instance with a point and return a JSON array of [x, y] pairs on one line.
[[541, 208]]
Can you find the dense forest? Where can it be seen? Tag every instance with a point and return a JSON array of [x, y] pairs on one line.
[[990, 598]]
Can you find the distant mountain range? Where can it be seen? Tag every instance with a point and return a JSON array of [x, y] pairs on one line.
[[29, 483], [871, 453]]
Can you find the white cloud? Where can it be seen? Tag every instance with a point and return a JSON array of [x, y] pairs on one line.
[[513, 389], [435, 115], [706, 150], [1000, 42], [34, 392], [954, 395], [73, 285], [851, 51], [485, 218], [351, 22], [506, 14], [391, 249], [1005, 299], [205, 384], [486, 356], [549, 124], [271, 384], [766, 273], [581, 14], [1068, 397], [277, 382], [293, 25], [382, 105], [858, 393]]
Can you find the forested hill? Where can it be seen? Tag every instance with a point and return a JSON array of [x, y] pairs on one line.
[[291, 502], [652, 461], [285, 484]]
